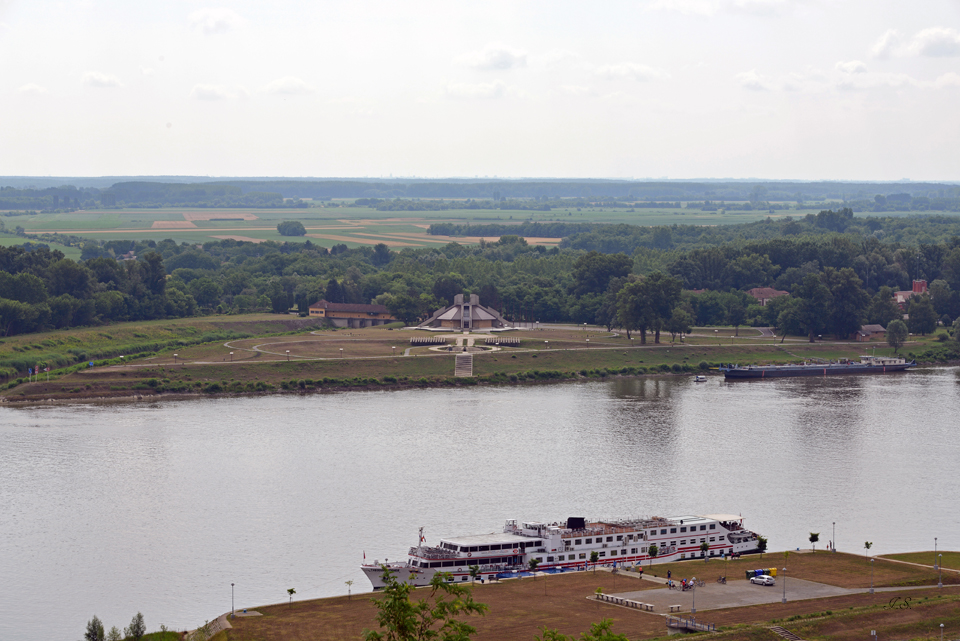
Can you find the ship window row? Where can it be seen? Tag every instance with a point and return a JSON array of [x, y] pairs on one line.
[[463, 562], [491, 548]]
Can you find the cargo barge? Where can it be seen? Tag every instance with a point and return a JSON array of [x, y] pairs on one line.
[[866, 365]]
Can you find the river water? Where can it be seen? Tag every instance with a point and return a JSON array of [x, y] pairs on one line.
[[159, 507]]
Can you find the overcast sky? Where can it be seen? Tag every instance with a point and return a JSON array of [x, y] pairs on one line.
[[806, 89]]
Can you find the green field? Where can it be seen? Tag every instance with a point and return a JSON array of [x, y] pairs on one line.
[[951, 560], [353, 226], [11, 241]]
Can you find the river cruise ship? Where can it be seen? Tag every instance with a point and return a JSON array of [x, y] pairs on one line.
[[569, 545]]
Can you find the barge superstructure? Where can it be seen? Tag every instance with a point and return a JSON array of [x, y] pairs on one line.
[[569, 545]]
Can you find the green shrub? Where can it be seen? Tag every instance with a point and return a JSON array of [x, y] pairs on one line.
[[704, 365], [664, 367]]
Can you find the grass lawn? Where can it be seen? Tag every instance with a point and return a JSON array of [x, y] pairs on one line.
[[951, 560], [518, 610]]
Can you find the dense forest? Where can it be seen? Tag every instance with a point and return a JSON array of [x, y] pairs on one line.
[[849, 275]]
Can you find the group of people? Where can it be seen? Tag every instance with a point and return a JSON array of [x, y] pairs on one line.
[[684, 583]]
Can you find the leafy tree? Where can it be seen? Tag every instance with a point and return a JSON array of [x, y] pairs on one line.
[[349, 585], [95, 630], [474, 572], [381, 255], [114, 634], [736, 314], [594, 557], [849, 301], [704, 547], [593, 271], [680, 322], [404, 307], [814, 306], [334, 292], [922, 317], [292, 228], [401, 619], [291, 592], [137, 628], [448, 286], [897, 335], [866, 547], [883, 308], [533, 563], [653, 550], [814, 537], [761, 545]]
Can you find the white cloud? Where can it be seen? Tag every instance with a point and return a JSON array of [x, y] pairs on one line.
[[949, 79], [759, 7], [3, 28], [854, 66], [713, 7], [558, 57], [147, 71], [631, 70], [288, 86], [214, 20], [210, 92], [887, 44], [576, 90], [751, 80], [495, 56], [98, 79], [32, 89], [493, 89], [935, 42]]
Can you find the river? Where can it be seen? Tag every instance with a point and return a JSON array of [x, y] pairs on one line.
[[110, 509]]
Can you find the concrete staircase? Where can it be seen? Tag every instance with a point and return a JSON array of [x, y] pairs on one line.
[[464, 365], [786, 634]]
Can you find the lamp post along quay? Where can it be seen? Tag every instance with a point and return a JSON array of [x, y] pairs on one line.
[[784, 585], [232, 608], [936, 560], [940, 569], [693, 609], [833, 542], [871, 576]]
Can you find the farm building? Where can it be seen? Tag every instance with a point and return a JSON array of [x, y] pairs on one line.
[[350, 314]]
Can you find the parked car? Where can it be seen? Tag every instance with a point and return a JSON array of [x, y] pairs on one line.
[[763, 579]]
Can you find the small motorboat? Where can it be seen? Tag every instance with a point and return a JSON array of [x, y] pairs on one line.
[[700, 378]]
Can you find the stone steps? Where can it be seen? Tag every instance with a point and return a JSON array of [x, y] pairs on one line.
[[463, 366]]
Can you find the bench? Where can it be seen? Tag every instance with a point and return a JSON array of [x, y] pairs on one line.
[[675, 608], [647, 606]]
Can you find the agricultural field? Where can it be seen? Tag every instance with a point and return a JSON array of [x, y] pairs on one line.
[[337, 223], [69, 252]]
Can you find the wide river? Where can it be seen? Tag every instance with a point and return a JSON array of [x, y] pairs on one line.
[[159, 507]]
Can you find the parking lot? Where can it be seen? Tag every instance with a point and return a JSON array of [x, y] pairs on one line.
[[733, 594]]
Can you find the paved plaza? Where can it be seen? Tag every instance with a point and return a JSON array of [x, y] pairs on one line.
[[734, 594]]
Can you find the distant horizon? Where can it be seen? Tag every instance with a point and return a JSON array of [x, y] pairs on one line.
[[174, 177]]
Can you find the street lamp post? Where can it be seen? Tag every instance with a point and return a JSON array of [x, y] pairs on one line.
[[231, 357], [784, 585], [175, 359], [935, 553], [716, 333], [288, 354], [693, 609], [394, 348], [871, 576], [833, 543], [121, 361], [341, 352], [941, 632], [232, 608], [546, 344], [940, 568]]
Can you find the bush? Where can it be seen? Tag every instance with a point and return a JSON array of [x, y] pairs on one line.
[[292, 228], [704, 365]]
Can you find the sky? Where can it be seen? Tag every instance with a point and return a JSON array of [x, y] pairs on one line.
[[769, 89]]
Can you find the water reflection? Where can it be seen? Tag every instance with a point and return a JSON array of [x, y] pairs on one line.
[[157, 507]]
